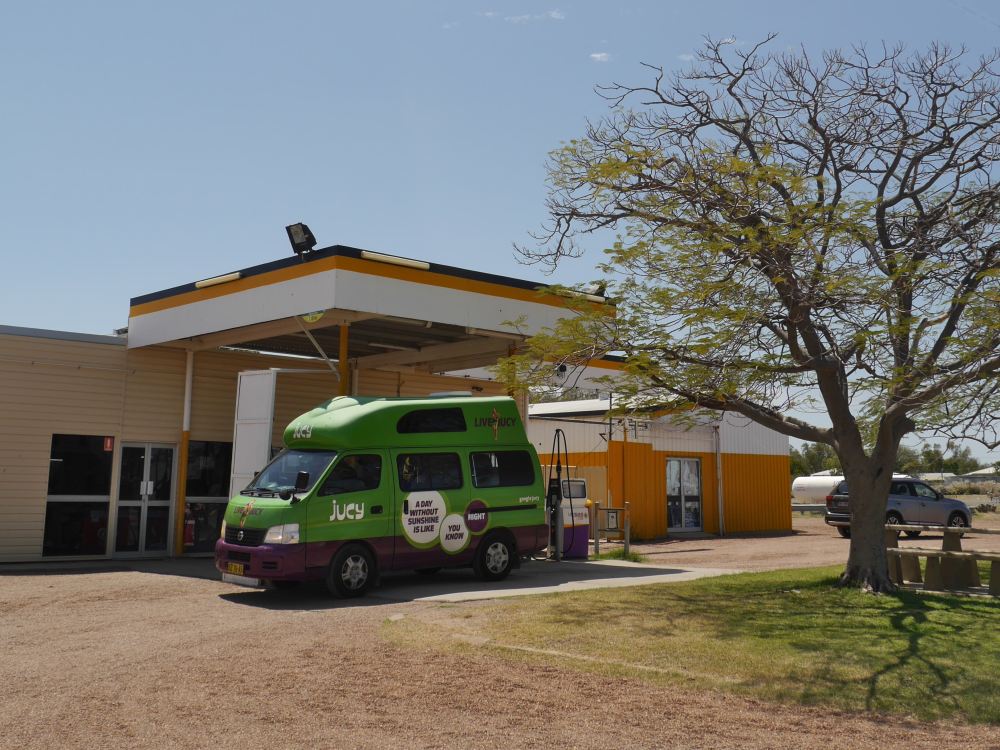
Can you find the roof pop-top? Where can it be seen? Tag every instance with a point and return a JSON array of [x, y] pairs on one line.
[[352, 422]]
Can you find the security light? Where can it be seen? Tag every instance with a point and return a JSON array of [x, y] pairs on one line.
[[301, 237]]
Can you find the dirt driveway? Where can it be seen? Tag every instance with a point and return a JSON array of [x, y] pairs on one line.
[[811, 544], [127, 659]]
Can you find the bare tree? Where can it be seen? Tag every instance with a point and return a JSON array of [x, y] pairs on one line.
[[799, 233]]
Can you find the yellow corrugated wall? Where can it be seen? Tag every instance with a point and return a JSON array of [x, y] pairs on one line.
[[755, 488], [756, 492]]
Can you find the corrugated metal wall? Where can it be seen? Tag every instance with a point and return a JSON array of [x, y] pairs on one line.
[[57, 386], [48, 386], [755, 486]]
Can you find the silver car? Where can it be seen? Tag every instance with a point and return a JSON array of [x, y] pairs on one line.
[[910, 501]]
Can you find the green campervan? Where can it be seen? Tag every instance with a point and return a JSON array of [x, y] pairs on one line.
[[367, 485]]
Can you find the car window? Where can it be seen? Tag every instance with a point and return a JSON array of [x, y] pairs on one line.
[[899, 488], [841, 489], [353, 474], [922, 490]]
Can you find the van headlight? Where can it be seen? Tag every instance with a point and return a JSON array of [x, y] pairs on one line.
[[287, 533]]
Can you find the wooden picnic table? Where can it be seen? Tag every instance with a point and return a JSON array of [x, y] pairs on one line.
[[948, 569]]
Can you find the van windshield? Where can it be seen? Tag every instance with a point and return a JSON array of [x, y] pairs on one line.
[[279, 475]]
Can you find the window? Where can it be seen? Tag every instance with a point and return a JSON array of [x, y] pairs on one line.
[[353, 474], [80, 465], [209, 466], [432, 420], [502, 469], [208, 469], [282, 472], [79, 492], [922, 490], [429, 471], [899, 488]]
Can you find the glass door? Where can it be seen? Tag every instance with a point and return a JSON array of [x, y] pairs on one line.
[[145, 497], [683, 494]]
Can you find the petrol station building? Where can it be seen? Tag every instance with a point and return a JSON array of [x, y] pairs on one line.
[[130, 445]]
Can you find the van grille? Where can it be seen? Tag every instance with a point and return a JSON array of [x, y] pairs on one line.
[[245, 537]]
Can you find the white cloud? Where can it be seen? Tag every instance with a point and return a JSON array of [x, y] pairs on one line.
[[686, 57], [489, 14], [600, 57], [549, 15], [450, 25]]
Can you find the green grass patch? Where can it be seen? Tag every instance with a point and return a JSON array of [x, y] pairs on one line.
[[786, 636], [618, 553]]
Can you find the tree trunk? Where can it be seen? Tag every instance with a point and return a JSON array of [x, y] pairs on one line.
[[868, 484]]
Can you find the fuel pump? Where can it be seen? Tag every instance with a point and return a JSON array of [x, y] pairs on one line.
[[557, 492]]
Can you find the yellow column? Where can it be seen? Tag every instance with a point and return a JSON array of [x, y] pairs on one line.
[[344, 365]]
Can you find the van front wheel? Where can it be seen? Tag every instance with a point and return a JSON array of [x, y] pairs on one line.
[[494, 558], [351, 572]]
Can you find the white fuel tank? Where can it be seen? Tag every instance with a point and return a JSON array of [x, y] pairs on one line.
[[814, 489]]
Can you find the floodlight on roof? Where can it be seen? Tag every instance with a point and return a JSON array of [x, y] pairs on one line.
[[301, 238]]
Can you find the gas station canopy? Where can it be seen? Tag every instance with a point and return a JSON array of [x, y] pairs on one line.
[[401, 313]]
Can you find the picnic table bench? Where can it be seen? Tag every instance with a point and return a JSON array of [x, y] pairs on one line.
[[948, 569]]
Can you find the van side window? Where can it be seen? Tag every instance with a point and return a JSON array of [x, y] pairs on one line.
[[431, 420], [352, 474], [502, 469], [429, 471]]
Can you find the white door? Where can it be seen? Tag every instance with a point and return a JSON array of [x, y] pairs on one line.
[[254, 419]]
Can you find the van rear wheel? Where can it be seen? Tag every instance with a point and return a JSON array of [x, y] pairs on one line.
[[494, 558], [351, 572], [844, 531]]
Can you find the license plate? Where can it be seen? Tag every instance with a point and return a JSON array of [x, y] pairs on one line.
[[235, 568]]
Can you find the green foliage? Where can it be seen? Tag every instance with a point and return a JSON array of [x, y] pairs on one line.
[[813, 458], [956, 461], [781, 247], [786, 636]]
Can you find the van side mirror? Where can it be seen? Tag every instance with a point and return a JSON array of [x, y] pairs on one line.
[[301, 481]]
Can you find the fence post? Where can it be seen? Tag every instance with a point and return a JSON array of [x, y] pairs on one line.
[[597, 529], [628, 530]]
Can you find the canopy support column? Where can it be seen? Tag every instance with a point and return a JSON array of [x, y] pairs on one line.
[[344, 364], [182, 455]]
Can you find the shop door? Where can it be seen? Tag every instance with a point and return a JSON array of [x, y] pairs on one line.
[[145, 499], [683, 494]]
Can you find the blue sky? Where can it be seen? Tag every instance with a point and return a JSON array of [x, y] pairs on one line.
[[148, 144]]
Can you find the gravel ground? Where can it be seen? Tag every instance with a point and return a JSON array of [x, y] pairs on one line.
[[811, 543], [127, 659]]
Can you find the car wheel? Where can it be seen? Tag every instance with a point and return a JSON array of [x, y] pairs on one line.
[[912, 534], [844, 531], [494, 558], [351, 572], [893, 518], [428, 571], [957, 520]]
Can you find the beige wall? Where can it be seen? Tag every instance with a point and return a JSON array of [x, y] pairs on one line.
[[54, 386]]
